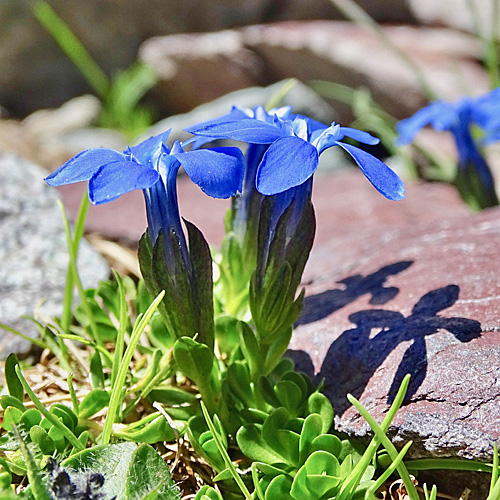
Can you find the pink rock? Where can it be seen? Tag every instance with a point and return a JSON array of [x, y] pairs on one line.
[[420, 298]]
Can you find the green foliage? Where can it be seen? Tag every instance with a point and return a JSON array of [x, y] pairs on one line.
[[186, 281], [208, 493], [120, 96], [129, 471]]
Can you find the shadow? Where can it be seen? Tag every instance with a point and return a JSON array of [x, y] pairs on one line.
[[354, 357], [321, 305]]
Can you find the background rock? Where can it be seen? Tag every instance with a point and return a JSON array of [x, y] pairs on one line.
[[33, 252], [36, 74], [196, 68], [454, 13]]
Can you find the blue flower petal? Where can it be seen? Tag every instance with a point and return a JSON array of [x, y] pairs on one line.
[[288, 162], [359, 135], [147, 151], [83, 166], [218, 171], [409, 128], [246, 130], [119, 177], [383, 179]]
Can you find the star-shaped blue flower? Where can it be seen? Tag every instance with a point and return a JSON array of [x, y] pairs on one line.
[[295, 144], [152, 167], [458, 118]]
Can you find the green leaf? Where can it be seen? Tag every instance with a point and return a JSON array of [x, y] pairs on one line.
[[238, 378], [96, 371], [251, 348], [14, 385], [58, 437], [326, 442], [320, 404], [252, 444], [202, 441], [67, 416], [267, 390], [41, 438], [280, 438], [5, 476], [11, 416], [310, 431], [158, 430], [277, 349], [201, 260], [317, 478], [30, 418], [93, 402], [194, 359], [280, 487], [289, 395], [130, 471], [8, 400]]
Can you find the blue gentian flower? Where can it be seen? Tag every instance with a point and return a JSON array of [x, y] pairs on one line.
[[295, 144], [458, 117], [166, 261], [152, 167]]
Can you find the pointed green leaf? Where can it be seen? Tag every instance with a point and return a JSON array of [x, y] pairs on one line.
[[96, 371], [13, 383], [201, 260]]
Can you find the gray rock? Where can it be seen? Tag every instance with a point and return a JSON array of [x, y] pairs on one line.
[[77, 113], [33, 251]]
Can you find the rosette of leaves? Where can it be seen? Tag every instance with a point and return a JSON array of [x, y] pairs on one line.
[[283, 387], [297, 458]]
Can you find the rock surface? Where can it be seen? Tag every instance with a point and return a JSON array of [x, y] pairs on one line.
[[33, 252], [419, 298]]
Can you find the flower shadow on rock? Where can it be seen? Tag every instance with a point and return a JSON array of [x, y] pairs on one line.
[[355, 356], [323, 304]]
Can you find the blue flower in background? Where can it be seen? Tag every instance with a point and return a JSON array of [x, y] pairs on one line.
[[152, 167], [458, 117], [295, 143]]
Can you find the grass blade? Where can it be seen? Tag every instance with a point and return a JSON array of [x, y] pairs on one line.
[[72, 47], [117, 390]]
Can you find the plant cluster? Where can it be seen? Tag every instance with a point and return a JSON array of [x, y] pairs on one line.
[[186, 355]]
